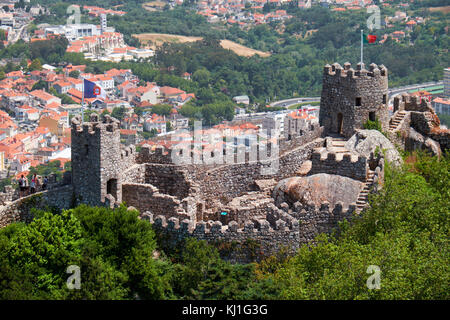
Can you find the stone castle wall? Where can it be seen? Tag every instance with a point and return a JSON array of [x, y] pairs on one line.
[[267, 239], [420, 129], [230, 181], [146, 197], [280, 229], [21, 209], [354, 167], [168, 179]]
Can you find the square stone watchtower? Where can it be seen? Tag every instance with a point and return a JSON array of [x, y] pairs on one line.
[[96, 161], [351, 97]]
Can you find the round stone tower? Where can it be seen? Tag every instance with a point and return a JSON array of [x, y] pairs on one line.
[[351, 97]]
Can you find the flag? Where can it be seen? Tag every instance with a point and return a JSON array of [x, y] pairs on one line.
[[93, 90], [369, 38]]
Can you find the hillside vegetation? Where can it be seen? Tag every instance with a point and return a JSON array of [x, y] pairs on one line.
[[404, 233]]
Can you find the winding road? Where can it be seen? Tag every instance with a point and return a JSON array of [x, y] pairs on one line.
[[392, 92]]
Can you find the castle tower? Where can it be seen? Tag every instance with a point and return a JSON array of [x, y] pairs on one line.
[[351, 97], [96, 161]]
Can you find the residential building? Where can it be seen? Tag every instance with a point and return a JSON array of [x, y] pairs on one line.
[[43, 98], [242, 99], [447, 83], [441, 106], [155, 122]]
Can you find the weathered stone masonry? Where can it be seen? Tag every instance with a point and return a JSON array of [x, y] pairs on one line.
[[351, 97], [20, 209], [187, 199]]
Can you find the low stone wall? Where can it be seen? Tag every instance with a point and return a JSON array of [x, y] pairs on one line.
[[171, 180], [348, 166], [134, 174], [287, 228], [247, 207], [146, 197], [315, 220], [301, 139], [20, 209], [257, 239], [229, 181]]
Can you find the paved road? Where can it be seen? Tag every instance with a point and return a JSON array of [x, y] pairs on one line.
[[393, 91], [18, 34], [290, 102]]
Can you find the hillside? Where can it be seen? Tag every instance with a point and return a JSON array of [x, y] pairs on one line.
[[155, 40]]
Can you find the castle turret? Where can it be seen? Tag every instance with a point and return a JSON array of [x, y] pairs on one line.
[[96, 161], [351, 97]]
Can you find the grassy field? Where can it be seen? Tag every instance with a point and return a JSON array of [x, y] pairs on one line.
[[154, 5], [157, 39], [445, 9], [154, 40]]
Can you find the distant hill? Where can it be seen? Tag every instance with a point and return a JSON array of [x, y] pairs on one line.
[[157, 39]]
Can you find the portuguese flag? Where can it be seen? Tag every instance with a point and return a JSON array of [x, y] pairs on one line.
[[369, 38]]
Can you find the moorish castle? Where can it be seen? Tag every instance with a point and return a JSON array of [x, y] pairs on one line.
[[324, 172]]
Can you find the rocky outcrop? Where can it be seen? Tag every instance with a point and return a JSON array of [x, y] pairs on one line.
[[365, 142], [416, 141], [317, 189]]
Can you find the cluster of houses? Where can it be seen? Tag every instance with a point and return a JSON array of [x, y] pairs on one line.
[[13, 21], [400, 23], [257, 128], [403, 21], [235, 11], [94, 11], [96, 42], [208, 140], [34, 123]]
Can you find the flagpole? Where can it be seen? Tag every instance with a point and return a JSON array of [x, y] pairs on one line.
[[362, 45], [82, 104]]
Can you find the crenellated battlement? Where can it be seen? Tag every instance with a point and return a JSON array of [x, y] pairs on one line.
[[309, 210], [282, 227], [336, 70], [158, 155], [109, 124], [407, 102], [337, 157], [216, 229], [344, 164]]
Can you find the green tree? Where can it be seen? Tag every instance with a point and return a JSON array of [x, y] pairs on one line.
[[119, 113], [404, 232], [162, 109], [74, 74], [35, 65], [202, 76]]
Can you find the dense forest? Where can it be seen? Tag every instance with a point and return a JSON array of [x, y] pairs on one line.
[[404, 232]]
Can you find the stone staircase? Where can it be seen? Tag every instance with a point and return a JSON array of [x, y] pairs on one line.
[[396, 121], [338, 145], [361, 202]]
